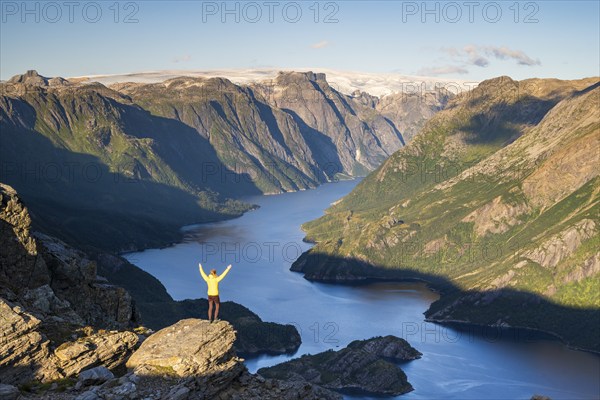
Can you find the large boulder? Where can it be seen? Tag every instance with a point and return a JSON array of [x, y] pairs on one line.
[[191, 347], [95, 375]]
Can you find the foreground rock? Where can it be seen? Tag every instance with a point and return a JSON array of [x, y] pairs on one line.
[[361, 367], [27, 353], [8, 392], [195, 359], [51, 279], [52, 305]]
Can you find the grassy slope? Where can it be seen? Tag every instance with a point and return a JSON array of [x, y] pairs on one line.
[[411, 215], [100, 172]]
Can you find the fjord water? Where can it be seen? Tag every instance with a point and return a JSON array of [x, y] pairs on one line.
[[263, 243]]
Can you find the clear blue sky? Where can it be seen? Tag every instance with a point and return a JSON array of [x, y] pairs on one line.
[[529, 39]]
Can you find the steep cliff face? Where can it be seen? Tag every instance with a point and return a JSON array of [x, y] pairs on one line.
[[343, 132], [117, 155], [48, 293], [254, 141], [497, 193], [51, 278], [410, 111]]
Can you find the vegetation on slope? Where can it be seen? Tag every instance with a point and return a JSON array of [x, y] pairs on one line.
[[497, 194]]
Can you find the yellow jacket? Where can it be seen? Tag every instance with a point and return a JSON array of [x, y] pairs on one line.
[[213, 281]]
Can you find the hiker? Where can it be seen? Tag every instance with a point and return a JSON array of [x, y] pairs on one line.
[[212, 280]]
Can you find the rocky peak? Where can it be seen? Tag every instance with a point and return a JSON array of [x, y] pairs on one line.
[[497, 81], [365, 98], [290, 77], [30, 77]]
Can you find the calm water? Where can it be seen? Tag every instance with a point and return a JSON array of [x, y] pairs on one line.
[[262, 244]]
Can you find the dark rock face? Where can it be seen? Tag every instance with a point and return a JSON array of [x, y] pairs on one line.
[[49, 291], [21, 265], [52, 279], [363, 366]]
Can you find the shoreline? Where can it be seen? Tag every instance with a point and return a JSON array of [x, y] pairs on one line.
[[181, 233], [457, 323]]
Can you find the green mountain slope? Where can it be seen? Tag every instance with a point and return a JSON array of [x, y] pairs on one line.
[[99, 171], [495, 201], [125, 167]]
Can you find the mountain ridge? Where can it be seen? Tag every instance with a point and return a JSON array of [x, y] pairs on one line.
[[198, 143], [495, 202]]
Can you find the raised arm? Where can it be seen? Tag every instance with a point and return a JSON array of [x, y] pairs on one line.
[[202, 272], [224, 273]]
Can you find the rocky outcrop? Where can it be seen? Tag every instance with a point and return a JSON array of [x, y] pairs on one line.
[[362, 366], [199, 356], [50, 300], [587, 268], [562, 245], [51, 279], [191, 347], [108, 349], [389, 347], [26, 353], [29, 355], [496, 216]]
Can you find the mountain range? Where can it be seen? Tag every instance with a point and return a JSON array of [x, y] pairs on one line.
[[495, 202], [124, 166], [490, 195]]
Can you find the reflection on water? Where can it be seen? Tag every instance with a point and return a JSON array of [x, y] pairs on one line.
[[470, 363]]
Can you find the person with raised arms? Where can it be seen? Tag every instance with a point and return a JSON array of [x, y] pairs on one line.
[[212, 281]]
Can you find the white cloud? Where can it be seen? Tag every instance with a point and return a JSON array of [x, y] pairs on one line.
[[320, 45], [479, 55], [503, 53]]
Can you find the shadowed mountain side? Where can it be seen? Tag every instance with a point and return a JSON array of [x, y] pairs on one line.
[[79, 199], [158, 310], [577, 327]]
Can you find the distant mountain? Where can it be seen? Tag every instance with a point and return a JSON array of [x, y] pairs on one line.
[[346, 82], [495, 201], [125, 166], [98, 170]]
